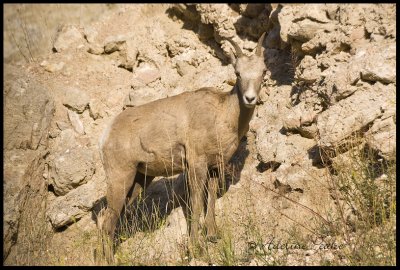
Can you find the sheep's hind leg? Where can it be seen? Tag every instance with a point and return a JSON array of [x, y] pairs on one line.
[[141, 183], [209, 221], [119, 185]]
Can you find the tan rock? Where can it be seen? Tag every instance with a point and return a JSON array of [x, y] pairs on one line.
[[147, 73], [68, 36], [76, 122], [382, 137], [352, 114]]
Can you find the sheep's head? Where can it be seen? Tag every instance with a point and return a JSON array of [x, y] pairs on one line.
[[250, 72]]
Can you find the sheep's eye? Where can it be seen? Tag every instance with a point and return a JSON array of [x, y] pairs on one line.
[[237, 74]]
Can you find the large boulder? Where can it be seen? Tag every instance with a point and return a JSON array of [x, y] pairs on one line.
[[68, 209], [278, 148], [354, 114], [379, 62], [382, 136], [71, 169]]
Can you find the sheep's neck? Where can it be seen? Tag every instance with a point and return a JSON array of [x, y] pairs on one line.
[[244, 114]]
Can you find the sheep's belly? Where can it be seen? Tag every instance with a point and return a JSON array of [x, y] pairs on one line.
[[162, 167]]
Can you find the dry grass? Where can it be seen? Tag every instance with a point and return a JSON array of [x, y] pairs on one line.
[[364, 188]]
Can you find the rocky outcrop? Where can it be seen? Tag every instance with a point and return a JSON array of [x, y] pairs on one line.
[[342, 88], [28, 113], [331, 76], [28, 109], [71, 168]]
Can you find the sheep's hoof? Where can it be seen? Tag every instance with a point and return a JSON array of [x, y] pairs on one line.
[[99, 257], [212, 238], [196, 250]]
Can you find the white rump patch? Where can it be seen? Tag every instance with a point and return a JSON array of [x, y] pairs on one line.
[[105, 135]]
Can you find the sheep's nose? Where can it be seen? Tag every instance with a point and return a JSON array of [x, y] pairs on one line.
[[249, 99]]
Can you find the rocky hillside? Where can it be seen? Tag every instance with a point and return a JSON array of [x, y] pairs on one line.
[[330, 91]]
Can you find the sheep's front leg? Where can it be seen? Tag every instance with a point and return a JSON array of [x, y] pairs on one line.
[[210, 215], [196, 181]]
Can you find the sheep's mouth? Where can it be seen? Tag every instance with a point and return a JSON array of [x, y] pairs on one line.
[[250, 105]]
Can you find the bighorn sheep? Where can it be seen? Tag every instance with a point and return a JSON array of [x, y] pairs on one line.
[[187, 133]]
